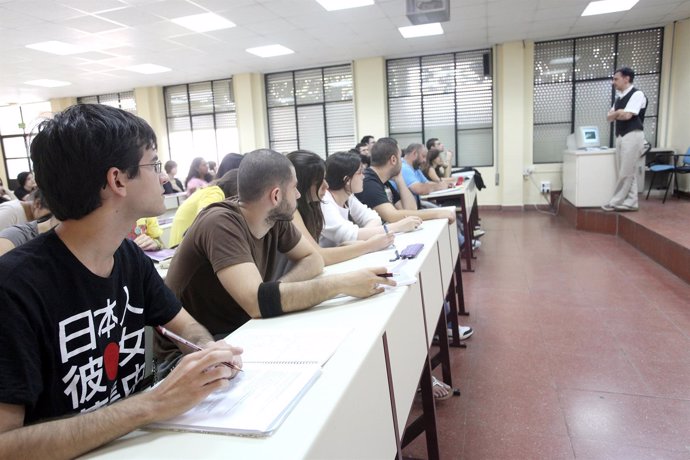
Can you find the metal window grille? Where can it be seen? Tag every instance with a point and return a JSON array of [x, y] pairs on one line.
[[572, 86], [446, 96], [17, 124], [124, 100], [311, 109], [202, 121]]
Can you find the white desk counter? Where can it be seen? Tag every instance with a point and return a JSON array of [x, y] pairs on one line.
[[348, 412]]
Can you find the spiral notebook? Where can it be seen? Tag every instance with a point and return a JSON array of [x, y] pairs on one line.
[[279, 368], [257, 402]]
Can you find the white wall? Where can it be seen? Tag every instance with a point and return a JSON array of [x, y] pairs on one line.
[[679, 100]]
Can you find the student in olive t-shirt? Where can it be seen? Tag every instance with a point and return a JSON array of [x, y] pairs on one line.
[[222, 269]]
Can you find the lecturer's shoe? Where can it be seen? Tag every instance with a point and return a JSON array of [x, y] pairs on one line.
[[625, 208], [608, 208]]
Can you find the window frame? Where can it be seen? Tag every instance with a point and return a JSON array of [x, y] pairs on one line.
[[457, 129], [190, 115], [574, 82], [295, 105]]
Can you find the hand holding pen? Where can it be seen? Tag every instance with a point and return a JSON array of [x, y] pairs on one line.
[[182, 341], [397, 254]]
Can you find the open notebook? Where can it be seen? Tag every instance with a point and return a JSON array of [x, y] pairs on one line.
[[279, 368]]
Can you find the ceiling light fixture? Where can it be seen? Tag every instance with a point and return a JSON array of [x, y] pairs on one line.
[[269, 50], [423, 30], [148, 69], [204, 22], [46, 83], [608, 6], [334, 5], [56, 47]]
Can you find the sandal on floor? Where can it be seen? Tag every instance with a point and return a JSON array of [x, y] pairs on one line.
[[438, 388]]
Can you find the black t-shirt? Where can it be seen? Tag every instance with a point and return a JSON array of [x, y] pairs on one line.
[[73, 341], [376, 192]]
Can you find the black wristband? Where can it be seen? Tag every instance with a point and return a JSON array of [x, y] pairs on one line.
[[269, 299]]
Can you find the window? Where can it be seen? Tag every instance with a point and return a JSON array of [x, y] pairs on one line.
[[17, 123], [447, 96], [311, 109], [201, 122], [572, 86], [124, 100]]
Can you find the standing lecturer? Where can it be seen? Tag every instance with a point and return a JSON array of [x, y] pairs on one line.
[[628, 113]]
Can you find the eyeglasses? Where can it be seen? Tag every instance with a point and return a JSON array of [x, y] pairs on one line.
[[156, 166]]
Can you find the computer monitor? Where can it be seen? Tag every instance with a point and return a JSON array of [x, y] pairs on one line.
[[587, 137]]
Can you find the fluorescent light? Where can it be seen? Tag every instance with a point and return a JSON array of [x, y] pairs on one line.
[[56, 47], [270, 50], [423, 30], [148, 68], [204, 22], [333, 5], [46, 83], [608, 6]]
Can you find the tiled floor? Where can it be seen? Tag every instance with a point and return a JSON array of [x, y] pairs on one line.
[[581, 350]]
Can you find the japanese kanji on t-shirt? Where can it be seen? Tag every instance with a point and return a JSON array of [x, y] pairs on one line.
[[73, 341]]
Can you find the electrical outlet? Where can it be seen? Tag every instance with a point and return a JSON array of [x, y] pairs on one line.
[[545, 186], [528, 171]]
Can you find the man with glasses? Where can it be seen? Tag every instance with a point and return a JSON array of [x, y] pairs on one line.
[[74, 301]]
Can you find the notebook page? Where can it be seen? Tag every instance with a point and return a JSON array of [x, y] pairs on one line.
[[290, 346], [257, 402]]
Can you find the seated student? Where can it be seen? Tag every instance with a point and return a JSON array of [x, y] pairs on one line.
[[146, 234], [434, 168], [75, 300], [221, 267], [345, 217], [413, 159], [228, 163], [20, 212], [309, 218], [218, 190], [198, 175], [27, 184], [16, 235], [446, 156], [392, 204], [173, 185]]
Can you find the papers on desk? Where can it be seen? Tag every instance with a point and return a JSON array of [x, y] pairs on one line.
[[305, 346], [456, 188], [257, 402], [279, 368]]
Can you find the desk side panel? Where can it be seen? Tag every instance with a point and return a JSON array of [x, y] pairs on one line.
[[361, 424], [407, 348]]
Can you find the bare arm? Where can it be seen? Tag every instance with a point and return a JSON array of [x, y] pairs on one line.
[[197, 376], [433, 176], [428, 187], [389, 213], [340, 253], [407, 200], [307, 261], [5, 246], [299, 295]]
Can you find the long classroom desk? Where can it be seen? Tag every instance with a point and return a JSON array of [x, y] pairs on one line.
[[359, 405]]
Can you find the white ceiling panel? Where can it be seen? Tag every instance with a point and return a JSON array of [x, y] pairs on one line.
[[140, 31]]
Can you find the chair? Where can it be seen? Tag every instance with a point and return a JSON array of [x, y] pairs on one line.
[[659, 164], [682, 168]]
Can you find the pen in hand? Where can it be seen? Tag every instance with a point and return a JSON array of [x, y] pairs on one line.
[[181, 340], [397, 255]]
